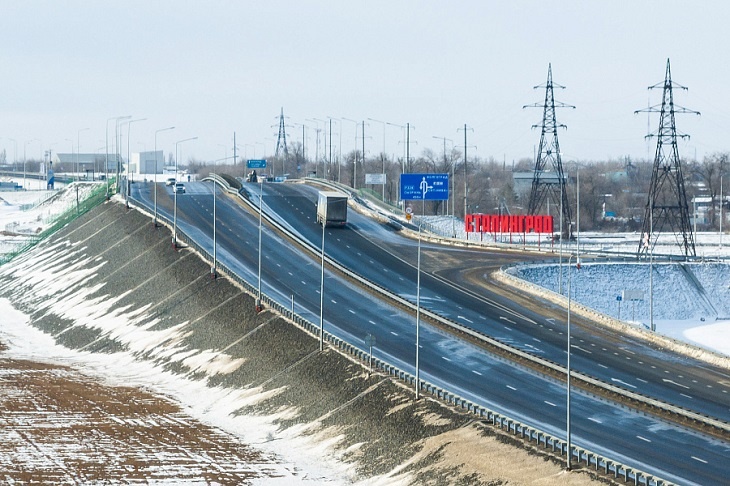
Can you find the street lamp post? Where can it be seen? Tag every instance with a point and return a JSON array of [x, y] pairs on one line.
[[117, 148], [304, 153], [339, 157], [560, 265], [78, 149], [453, 213], [261, 197], [106, 169], [721, 210], [651, 269], [214, 268], [321, 294], [569, 458], [418, 301], [384, 123], [154, 221], [25, 159], [354, 178], [129, 158], [174, 192]]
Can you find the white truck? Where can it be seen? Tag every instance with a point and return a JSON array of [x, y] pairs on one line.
[[332, 208]]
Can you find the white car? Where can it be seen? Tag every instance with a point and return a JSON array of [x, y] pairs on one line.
[[170, 181], [180, 188]]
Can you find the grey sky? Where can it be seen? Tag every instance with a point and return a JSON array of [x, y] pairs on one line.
[[212, 68]]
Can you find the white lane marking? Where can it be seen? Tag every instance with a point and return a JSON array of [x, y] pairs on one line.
[[394, 333], [333, 301], [371, 322], [643, 381], [594, 420], [511, 388], [551, 404], [465, 319], [351, 311], [508, 320], [616, 380], [675, 383], [444, 357], [643, 438], [685, 395], [535, 339], [602, 366], [578, 347], [508, 328], [304, 283], [698, 459], [476, 372]]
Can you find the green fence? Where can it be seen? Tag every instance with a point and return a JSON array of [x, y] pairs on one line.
[[96, 197]]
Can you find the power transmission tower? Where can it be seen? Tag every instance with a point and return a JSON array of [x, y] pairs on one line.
[[281, 140], [667, 201], [548, 182]]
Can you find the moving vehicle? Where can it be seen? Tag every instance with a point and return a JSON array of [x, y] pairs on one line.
[[332, 208], [170, 181], [180, 188]]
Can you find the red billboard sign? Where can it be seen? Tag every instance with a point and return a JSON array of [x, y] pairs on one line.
[[518, 223]]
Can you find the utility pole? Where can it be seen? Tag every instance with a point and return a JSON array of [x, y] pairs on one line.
[[329, 167], [667, 201], [466, 187], [234, 154], [363, 153], [548, 181]]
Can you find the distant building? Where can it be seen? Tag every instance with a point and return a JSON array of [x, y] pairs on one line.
[[700, 209], [523, 180], [147, 163], [93, 164]]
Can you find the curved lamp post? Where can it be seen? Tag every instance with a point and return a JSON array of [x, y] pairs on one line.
[[174, 192], [163, 160], [569, 457]]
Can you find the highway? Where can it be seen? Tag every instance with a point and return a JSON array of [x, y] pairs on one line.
[[391, 262], [383, 256]]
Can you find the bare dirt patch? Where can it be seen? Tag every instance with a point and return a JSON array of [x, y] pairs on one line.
[[62, 427]]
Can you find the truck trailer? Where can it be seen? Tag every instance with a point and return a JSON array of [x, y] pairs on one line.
[[332, 208]]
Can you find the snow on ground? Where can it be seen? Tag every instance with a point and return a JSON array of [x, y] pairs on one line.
[[213, 406], [25, 214]]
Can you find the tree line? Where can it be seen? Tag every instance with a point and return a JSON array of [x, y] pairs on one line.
[[613, 193]]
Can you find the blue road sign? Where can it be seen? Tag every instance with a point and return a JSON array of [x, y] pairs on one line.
[[426, 187], [256, 163]]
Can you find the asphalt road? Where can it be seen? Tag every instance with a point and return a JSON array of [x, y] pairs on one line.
[[372, 251], [644, 442]]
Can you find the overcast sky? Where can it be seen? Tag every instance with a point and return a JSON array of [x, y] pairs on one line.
[[214, 67]]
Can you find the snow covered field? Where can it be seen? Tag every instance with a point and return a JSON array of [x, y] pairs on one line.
[[25, 214]]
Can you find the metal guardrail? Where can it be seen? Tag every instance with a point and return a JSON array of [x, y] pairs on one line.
[[586, 379], [503, 422]]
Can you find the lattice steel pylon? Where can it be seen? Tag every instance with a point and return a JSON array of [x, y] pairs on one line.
[[281, 140], [667, 201], [548, 182]]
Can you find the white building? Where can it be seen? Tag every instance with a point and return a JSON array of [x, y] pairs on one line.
[[147, 163]]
